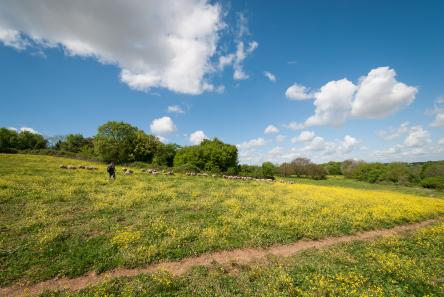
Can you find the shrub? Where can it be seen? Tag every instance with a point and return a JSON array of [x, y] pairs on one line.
[[210, 155], [433, 170], [434, 182]]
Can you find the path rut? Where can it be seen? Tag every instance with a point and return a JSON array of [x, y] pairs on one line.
[[241, 256]]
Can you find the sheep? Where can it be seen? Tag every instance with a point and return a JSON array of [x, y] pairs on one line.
[[72, 167], [63, 167], [91, 168], [169, 173], [128, 172]]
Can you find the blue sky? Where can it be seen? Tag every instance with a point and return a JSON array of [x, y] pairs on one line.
[[369, 74]]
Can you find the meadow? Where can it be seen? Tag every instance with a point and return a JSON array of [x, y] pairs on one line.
[[407, 265], [58, 222]]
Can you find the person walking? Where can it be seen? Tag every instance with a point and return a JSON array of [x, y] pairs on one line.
[[111, 170]]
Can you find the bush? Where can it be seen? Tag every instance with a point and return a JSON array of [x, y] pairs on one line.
[[209, 155], [434, 182], [303, 167], [433, 170]]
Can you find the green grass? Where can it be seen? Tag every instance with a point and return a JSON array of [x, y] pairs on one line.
[[68, 222], [409, 265], [340, 181]]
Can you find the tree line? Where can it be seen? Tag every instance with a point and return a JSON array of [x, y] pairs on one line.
[[123, 143]]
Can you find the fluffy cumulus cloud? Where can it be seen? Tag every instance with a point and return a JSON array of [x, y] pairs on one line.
[[441, 141], [270, 76], [197, 137], [298, 92], [417, 137], [271, 129], [377, 95], [380, 94], [253, 143], [166, 44], [348, 144], [24, 129], [175, 109], [304, 136], [163, 126], [332, 103]]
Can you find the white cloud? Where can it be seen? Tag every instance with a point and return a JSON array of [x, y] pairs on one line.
[[24, 129], [438, 111], [243, 50], [333, 103], [439, 120], [13, 39], [162, 139], [162, 126], [271, 129], [377, 95], [380, 94], [197, 137], [316, 144], [166, 44], [348, 144], [253, 143], [175, 109], [275, 151], [304, 136], [295, 126], [441, 141], [298, 92], [417, 137], [270, 76], [241, 54], [394, 133]]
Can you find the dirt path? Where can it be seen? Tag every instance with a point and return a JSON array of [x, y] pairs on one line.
[[241, 256]]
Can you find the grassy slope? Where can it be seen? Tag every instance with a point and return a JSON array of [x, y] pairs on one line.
[[409, 265], [58, 222]]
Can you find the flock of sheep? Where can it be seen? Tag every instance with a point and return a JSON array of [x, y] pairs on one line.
[[78, 167], [127, 171], [246, 178]]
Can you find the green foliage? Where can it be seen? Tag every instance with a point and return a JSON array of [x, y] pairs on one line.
[[75, 143], [8, 141], [251, 171], [115, 141], [186, 168], [333, 168], [268, 170], [434, 169], [145, 147], [209, 155], [434, 182], [303, 167], [11, 141], [165, 154]]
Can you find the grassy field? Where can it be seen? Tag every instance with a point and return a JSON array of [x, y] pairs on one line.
[[65, 223], [409, 265], [340, 181]]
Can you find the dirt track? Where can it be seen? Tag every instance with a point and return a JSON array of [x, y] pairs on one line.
[[241, 256]]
